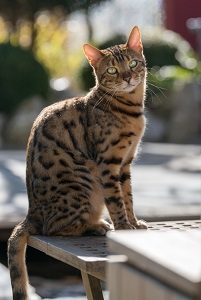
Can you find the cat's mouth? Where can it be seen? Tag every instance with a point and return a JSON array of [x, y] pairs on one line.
[[130, 86], [126, 86]]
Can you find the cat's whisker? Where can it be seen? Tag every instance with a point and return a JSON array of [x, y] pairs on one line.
[[149, 83], [115, 101], [156, 86], [153, 81], [107, 103], [115, 91], [99, 101], [156, 95], [151, 94]]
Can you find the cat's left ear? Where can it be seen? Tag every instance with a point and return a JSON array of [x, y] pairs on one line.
[[134, 41], [92, 54]]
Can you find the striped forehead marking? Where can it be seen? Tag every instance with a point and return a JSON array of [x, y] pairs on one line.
[[117, 53]]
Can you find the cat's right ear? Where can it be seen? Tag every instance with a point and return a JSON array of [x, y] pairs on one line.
[[92, 54], [134, 41]]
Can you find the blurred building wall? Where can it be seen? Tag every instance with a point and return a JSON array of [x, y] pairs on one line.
[[177, 12]]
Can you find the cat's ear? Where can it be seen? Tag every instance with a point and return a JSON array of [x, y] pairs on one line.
[[134, 41], [92, 54]]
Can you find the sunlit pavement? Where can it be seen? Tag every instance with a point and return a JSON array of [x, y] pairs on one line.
[[165, 184]]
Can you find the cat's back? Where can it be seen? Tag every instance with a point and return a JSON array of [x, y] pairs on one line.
[[48, 129], [57, 110], [54, 116]]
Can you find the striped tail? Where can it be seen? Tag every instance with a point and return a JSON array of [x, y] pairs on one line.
[[17, 244]]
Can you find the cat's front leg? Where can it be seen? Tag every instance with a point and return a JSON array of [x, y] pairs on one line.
[[114, 200], [125, 179]]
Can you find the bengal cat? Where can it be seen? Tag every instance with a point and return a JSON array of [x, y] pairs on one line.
[[79, 154]]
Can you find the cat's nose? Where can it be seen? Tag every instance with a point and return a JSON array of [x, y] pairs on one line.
[[126, 76]]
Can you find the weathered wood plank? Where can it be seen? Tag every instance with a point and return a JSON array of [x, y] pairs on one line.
[[114, 276], [88, 254], [92, 287], [174, 257], [125, 282]]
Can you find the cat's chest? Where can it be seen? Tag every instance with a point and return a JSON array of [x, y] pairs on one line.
[[109, 134], [106, 124]]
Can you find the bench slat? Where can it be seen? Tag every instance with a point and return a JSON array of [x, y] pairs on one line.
[[92, 287], [88, 254]]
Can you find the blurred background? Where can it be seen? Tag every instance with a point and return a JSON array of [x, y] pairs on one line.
[[42, 61]]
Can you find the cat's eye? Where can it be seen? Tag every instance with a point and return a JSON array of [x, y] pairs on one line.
[[112, 70], [133, 63]]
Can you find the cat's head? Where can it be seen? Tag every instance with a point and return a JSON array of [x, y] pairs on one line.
[[120, 68]]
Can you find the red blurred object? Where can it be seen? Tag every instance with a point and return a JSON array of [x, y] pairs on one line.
[[177, 12]]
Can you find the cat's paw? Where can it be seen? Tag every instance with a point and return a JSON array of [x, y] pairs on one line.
[[99, 229], [123, 226], [140, 224], [107, 225]]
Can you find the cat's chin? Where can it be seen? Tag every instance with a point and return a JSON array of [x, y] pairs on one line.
[[122, 89], [129, 88]]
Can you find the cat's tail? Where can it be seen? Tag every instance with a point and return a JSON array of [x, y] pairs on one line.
[[17, 244]]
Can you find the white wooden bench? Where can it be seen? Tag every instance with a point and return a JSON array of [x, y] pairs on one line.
[[155, 265], [89, 254]]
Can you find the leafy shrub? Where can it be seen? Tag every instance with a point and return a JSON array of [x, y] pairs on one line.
[[21, 76], [159, 54]]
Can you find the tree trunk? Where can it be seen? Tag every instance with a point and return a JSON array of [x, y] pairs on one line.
[[89, 25], [33, 34]]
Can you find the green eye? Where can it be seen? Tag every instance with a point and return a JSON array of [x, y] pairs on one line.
[[133, 63], [112, 70]]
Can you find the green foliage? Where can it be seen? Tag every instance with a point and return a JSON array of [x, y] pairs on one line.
[[16, 10], [40, 25], [21, 76], [167, 76], [158, 54], [170, 60], [51, 44], [86, 77]]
